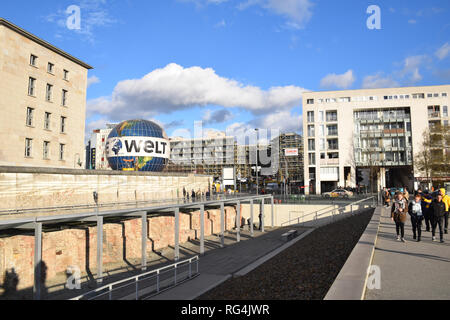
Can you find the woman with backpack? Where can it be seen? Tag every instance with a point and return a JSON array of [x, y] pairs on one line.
[[416, 214], [398, 215]]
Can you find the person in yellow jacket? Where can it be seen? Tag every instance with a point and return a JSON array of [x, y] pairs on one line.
[[446, 201]]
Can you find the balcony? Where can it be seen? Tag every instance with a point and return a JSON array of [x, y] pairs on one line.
[[329, 162], [434, 114]]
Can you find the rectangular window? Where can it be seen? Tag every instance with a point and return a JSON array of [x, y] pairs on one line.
[[48, 92], [444, 94], [50, 67], [63, 124], [333, 144], [28, 147], [321, 118], [311, 145], [47, 121], [332, 130], [310, 101], [66, 75], [33, 60], [331, 116], [322, 144], [61, 151], [46, 149], [445, 111], [30, 115], [64, 97], [310, 116], [312, 159], [31, 86], [311, 132]]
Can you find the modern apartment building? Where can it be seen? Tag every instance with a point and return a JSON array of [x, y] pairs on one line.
[[354, 136], [43, 104], [96, 149]]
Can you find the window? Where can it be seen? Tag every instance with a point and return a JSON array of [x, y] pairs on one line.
[[48, 92], [63, 124], [28, 147], [429, 95], [322, 144], [321, 118], [444, 94], [31, 86], [331, 116], [321, 130], [66, 75], [61, 151], [47, 121], [312, 159], [332, 130], [33, 60], [30, 114], [436, 95], [322, 156], [310, 101], [46, 149], [311, 145], [333, 144], [310, 116], [64, 97], [311, 131], [445, 111], [50, 67]]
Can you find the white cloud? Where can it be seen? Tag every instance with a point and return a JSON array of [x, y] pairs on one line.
[[298, 12], [411, 66], [443, 51], [220, 24], [342, 81], [92, 80], [174, 88], [378, 81], [218, 116]]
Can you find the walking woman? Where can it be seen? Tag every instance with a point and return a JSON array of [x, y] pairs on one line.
[[398, 215], [416, 214]]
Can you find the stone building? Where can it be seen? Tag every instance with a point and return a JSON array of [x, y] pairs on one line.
[[43, 104]]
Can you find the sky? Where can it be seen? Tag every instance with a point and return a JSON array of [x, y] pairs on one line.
[[237, 65]]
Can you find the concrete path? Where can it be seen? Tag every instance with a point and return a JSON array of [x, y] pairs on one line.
[[219, 265], [411, 270]]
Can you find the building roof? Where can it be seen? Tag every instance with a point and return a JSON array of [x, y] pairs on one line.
[[43, 43]]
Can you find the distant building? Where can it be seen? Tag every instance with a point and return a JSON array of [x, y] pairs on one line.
[[369, 137], [290, 157], [96, 149], [43, 102]]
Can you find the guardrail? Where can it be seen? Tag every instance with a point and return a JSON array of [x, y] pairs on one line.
[[157, 281], [329, 209]]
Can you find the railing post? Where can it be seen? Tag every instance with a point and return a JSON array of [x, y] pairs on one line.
[[157, 281], [137, 288], [110, 292], [190, 269], [175, 274]]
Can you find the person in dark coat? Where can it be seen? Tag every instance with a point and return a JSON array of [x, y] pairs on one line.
[[416, 214], [426, 208], [398, 215], [193, 195], [437, 217]]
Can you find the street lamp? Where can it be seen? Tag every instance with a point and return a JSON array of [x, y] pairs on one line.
[[256, 167]]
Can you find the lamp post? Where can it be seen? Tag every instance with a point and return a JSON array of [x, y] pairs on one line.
[[256, 167]]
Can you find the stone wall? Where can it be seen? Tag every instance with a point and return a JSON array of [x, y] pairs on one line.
[[22, 188], [122, 241]]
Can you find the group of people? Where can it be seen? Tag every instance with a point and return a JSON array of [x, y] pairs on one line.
[[422, 207], [193, 195]]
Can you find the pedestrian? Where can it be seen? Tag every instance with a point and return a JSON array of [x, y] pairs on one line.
[[446, 200], [386, 198], [193, 195], [260, 221], [426, 209], [437, 218], [406, 194], [184, 192], [398, 215], [416, 214]]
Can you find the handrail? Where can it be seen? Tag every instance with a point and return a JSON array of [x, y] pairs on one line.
[[91, 295], [329, 210]]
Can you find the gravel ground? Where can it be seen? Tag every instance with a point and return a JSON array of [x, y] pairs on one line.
[[304, 271]]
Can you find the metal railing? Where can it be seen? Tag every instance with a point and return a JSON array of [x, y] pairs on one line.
[[146, 284], [331, 209]]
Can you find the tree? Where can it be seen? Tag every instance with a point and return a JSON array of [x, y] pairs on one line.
[[433, 158]]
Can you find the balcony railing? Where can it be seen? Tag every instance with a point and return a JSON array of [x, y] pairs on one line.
[[329, 162], [434, 114]]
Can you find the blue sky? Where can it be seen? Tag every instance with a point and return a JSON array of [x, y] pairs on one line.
[[238, 64]]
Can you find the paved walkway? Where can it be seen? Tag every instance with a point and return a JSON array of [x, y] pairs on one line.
[[216, 266], [411, 270]]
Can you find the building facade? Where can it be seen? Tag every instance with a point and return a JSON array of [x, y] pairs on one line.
[[368, 137], [290, 157], [96, 149], [43, 103]]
